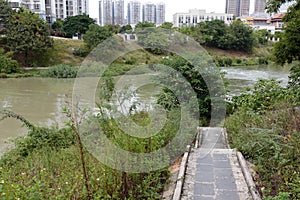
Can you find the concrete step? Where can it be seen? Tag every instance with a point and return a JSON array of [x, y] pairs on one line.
[[213, 171]]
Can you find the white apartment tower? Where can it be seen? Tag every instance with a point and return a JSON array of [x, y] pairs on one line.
[[36, 6], [118, 12], [111, 12], [133, 12], [160, 13], [62, 9], [149, 13], [51, 10], [105, 12]]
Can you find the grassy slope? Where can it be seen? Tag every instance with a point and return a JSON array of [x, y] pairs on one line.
[[62, 52], [260, 51]]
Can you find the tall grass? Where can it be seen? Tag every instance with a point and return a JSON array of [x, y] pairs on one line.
[[45, 165]]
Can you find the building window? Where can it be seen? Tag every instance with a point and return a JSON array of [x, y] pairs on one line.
[[14, 4], [195, 19], [188, 19], [37, 6], [180, 19]]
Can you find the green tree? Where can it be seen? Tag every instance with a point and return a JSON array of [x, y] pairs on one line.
[[5, 12], [294, 81], [7, 64], [57, 28], [195, 32], [114, 28], [263, 36], [196, 80], [57, 25], [154, 40], [95, 35], [288, 48], [167, 25], [27, 35], [144, 25], [217, 34], [274, 5], [78, 24], [216, 29], [126, 29], [241, 37]]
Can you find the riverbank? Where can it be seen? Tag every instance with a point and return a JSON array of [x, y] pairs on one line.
[[64, 53], [263, 124], [36, 168]]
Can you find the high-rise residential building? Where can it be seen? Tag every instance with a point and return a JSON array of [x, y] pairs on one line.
[[50, 10], [133, 12], [118, 12], [244, 7], [36, 6], [149, 13], [105, 12], [238, 7], [232, 7], [260, 6], [111, 12], [160, 13], [66, 8]]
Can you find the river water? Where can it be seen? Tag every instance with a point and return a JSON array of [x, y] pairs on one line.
[[40, 100], [242, 77]]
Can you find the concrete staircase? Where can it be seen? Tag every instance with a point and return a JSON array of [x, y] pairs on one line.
[[213, 171]]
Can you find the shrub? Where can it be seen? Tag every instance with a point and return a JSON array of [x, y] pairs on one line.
[[60, 71], [3, 75], [44, 165], [223, 62], [263, 61], [265, 128], [131, 61], [271, 142], [7, 64], [251, 61], [262, 97], [238, 61], [227, 61], [81, 52], [294, 81]]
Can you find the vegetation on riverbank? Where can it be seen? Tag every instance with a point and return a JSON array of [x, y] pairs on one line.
[[63, 52], [265, 127], [264, 121], [44, 164]]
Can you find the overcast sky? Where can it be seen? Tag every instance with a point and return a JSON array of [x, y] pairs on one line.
[[173, 6]]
